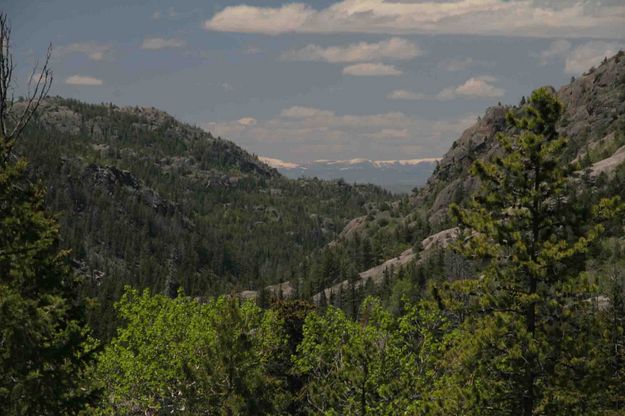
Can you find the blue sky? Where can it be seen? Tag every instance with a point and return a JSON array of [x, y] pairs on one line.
[[342, 79]]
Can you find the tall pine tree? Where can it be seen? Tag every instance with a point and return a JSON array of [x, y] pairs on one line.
[[525, 355]]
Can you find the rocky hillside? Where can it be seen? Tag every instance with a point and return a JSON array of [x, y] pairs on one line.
[[594, 122]]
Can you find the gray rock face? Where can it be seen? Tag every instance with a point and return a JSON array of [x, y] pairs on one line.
[[440, 239], [594, 107], [111, 179], [609, 164], [284, 290], [374, 274], [53, 114]]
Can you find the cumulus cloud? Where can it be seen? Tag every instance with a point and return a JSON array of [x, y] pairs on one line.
[[405, 95], [476, 87], [94, 51], [590, 54], [161, 43], [307, 133], [83, 80], [267, 20], [393, 49], [371, 70], [554, 18]]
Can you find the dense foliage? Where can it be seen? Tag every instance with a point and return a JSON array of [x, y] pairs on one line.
[[44, 350]]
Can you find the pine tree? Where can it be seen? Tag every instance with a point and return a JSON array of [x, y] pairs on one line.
[[43, 354], [528, 315]]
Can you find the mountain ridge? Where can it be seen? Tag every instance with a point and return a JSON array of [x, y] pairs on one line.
[[400, 175]]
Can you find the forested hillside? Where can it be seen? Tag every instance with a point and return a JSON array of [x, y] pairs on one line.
[[148, 201]]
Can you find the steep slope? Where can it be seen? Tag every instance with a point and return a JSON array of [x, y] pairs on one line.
[[148, 201], [594, 122]]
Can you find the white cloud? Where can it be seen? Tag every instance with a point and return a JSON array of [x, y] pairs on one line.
[[83, 80], [267, 20], [161, 43], [305, 112], [307, 133], [247, 121], [405, 95], [480, 87], [393, 49], [94, 51], [565, 18], [590, 54], [370, 70]]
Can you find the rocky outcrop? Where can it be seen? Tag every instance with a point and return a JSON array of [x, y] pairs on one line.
[[284, 290], [349, 230], [450, 181], [113, 179], [609, 164], [374, 274], [440, 239]]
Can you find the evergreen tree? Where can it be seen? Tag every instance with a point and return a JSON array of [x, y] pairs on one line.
[[43, 351], [525, 355]]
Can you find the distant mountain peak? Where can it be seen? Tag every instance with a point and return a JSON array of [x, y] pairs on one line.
[[400, 175]]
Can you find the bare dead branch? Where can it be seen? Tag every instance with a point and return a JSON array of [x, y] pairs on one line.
[[34, 98]]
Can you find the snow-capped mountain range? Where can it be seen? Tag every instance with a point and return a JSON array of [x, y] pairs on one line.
[[395, 175]]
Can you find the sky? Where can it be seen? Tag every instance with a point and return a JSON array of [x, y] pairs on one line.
[[324, 79]]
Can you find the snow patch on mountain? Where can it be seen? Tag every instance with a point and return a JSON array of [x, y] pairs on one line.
[[395, 175]]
